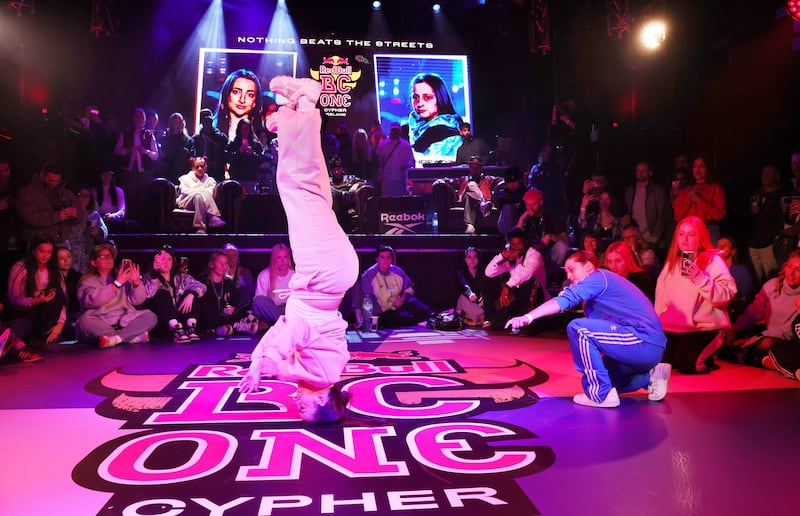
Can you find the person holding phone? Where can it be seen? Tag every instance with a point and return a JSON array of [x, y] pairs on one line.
[[109, 299], [692, 296]]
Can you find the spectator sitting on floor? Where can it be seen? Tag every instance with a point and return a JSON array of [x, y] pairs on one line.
[[619, 260], [109, 298], [172, 296], [775, 306], [242, 277], [644, 256], [521, 281], [71, 278], [196, 192], [216, 310], [472, 283], [692, 296], [11, 343], [746, 286], [36, 291], [268, 303], [590, 243], [392, 292], [475, 194]]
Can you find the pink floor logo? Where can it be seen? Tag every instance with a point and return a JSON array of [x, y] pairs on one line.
[[419, 437]]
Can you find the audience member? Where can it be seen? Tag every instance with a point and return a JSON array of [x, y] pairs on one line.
[[794, 165], [472, 284], [11, 343], [766, 222], [70, 277], [475, 193], [648, 206], [171, 295], [111, 202], [175, 148], [508, 200], [85, 236], [48, 207], [545, 175], [644, 256], [521, 284], [692, 296], [392, 293], [109, 297], [242, 277], [36, 291], [269, 303], [196, 192], [746, 286], [210, 143], [771, 314], [603, 223], [470, 146], [216, 310], [10, 235], [138, 151], [704, 199], [395, 157], [591, 243], [619, 259], [618, 346], [363, 162], [546, 233]]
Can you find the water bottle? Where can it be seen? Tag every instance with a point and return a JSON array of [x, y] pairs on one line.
[[366, 309], [435, 222]]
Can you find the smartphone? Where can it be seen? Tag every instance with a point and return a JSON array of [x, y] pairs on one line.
[[126, 264], [686, 260], [184, 264]]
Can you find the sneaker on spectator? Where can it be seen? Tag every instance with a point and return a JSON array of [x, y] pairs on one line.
[[109, 341], [470, 229], [225, 330], [179, 335], [215, 221], [611, 401], [142, 337], [25, 354], [659, 380], [5, 342], [191, 333]]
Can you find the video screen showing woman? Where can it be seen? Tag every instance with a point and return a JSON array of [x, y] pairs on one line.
[[433, 124]]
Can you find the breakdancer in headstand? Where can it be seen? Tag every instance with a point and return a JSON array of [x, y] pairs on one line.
[[307, 345]]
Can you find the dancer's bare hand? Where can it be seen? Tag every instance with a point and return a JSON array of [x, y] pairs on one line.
[[517, 322], [250, 381]]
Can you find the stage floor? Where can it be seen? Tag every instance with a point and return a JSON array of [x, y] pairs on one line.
[[461, 423]]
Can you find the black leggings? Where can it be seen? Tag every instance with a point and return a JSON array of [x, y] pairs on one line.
[[165, 309]]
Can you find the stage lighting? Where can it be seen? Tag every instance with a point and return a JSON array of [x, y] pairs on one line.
[[653, 34], [376, 5], [793, 9], [436, 8]]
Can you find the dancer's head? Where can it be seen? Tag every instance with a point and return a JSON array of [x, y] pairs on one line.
[[321, 407]]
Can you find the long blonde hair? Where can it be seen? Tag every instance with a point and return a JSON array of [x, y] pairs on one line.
[[272, 273]]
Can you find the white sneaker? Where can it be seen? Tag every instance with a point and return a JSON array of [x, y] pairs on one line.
[[470, 229], [659, 380], [611, 401], [109, 341]]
